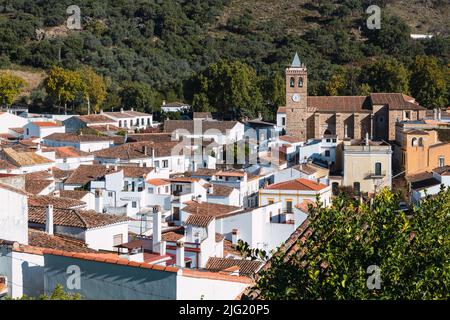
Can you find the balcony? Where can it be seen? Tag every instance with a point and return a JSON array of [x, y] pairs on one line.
[[376, 175], [284, 218]]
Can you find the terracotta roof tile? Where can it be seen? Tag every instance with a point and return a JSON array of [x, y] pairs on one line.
[[245, 267], [57, 202], [137, 150], [66, 152], [71, 137], [297, 184], [199, 220], [45, 124], [209, 209], [37, 186], [188, 125], [41, 239], [85, 219], [158, 182], [87, 173], [221, 190], [96, 118], [73, 194]]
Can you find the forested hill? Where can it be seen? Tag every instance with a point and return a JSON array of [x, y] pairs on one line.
[[229, 55]]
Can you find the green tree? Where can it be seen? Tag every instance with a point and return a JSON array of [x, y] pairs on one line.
[[411, 250], [10, 87], [64, 85], [428, 82], [138, 95], [231, 87], [94, 88], [57, 294], [387, 75]]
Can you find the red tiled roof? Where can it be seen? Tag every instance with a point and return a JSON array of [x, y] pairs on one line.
[[297, 184], [98, 257], [12, 189], [87, 173], [41, 239], [57, 202], [209, 209], [36, 186], [45, 124], [199, 220], [158, 182], [304, 205], [245, 267], [65, 152], [95, 118], [85, 219]]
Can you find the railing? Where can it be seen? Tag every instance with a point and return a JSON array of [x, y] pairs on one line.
[[376, 175]]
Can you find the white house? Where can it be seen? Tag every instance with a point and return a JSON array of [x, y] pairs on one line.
[[130, 119], [223, 194], [76, 123], [294, 192], [67, 158], [83, 142], [27, 161], [41, 129], [175, 107], [429, 183], [9, 121], [14, 214]]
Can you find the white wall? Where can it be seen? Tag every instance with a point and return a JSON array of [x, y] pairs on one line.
[[103, 238], [207, 289], [13, 216], [8, 120]]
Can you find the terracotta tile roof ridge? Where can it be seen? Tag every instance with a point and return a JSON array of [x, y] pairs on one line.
[[215, 276], [97, 257], [9, 188]]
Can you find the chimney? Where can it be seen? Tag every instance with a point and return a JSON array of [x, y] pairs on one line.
[[164, 102], [180, 254], [101, 111], [435, 114], [98, 201], [156, 229], [49, 219], [367, 138], [107, 127], [259, 116], [121, 110], [234, 236], [144, 150], [439, 114], [132, 109]]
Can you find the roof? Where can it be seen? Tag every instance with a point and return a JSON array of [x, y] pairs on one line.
[[73, 194], [205, 172], [105, 128], [245, 267], [199, 220], [85, 219], [209, 209], [96, 118], [296, 62], [104, 258], [36, 186], [443, 171], [87, 173], [136, 172], [305, 168], [424, 184], [25, 158], [202, 115], [57, 202], [66, 152], [297, 184], [395, 101], [231, 173], [221, 190], [192, 125], [155, 137], [45, 124], [5, 165], [12, 189], [417, 132], [173, 235], [61, 174], [290, 139], [175, 104], [136, 150], [304, 206], [158, 182], [40, 239], [339, 103], [281, 110], [72, 137]]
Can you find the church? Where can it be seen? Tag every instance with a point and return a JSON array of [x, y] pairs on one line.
[[348, 117]]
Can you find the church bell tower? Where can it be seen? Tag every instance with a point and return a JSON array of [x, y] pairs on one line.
[[296, 99]]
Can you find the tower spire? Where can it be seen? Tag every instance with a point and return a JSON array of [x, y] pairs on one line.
[[296, 62]]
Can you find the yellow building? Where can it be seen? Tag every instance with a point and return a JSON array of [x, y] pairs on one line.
[[419, 150]]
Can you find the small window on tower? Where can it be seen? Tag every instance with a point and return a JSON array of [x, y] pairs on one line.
[[300, 82], [292, 82]]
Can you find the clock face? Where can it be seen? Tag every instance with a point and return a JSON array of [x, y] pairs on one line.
[[296, 97]]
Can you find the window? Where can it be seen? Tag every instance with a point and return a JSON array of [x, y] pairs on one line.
[[292, 82], [137, 122], [134, 204], [125, 124], [117, 239], [378, 169], [148, 121], [357, 188], [120, 123], [300, 82], [165, 163], [28, 132], [420, 142], [335, 188], [166, 189], [110, 194], [150, 190], [334, 140], [441, 161], [328, 140], [289, 206], [414, 142], [283, 121], [408, 115], [142, 121], [327, 153], [156, 164], [270, 201]]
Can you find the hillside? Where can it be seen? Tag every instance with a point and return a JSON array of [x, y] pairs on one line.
[[167, 45]]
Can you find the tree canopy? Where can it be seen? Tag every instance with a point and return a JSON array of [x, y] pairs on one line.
[[351, 241], [10, 87]]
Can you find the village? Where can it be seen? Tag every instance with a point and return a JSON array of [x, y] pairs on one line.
[[115, 205]]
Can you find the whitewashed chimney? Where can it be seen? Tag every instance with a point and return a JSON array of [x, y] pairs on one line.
[[180, 254], [121, 110], [156, 229], [234, 236], [49, 219], [98, 201]]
